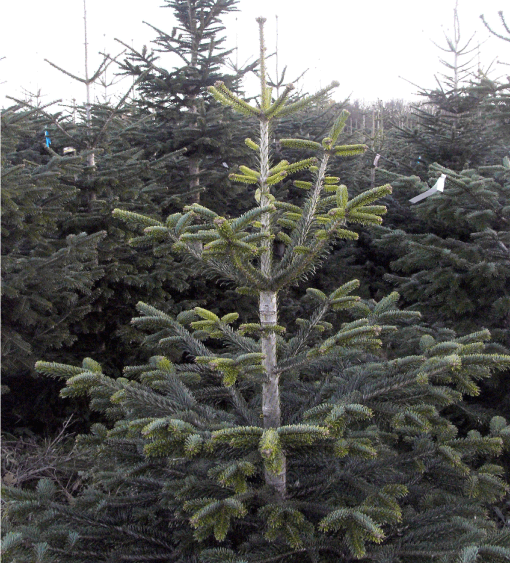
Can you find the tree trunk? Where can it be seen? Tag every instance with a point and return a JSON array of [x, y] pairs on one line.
[[91, 158], [194, 183], [268, 312]]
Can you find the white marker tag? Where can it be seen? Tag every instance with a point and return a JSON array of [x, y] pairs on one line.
[[440, 183], [376, 159], [438, 187]]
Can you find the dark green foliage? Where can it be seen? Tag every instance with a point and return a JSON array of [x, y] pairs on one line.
[[121, 176], [66, 266], [48, 281], [459, 270]]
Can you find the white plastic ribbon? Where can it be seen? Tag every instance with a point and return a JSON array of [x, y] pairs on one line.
[[437, 187], [440, 183]]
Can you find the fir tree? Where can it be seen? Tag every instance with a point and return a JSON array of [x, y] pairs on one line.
[[47, 280], [117, 158], [449, 257], [458, 272], [119, 175], [275, 444], [181, 116], [451, 127]]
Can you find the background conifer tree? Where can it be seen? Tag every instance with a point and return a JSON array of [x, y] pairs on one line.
[[451, 125], [171, 97], [458, 271], [451, 258], [48, 280], [180, 115], [282, 444], [107, 144], [118, 175]]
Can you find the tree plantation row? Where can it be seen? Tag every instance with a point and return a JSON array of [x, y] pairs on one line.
[[269, 352]]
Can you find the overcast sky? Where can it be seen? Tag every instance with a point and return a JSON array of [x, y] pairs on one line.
[[367, 45]]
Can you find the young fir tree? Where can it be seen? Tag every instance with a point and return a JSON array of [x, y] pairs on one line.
[[451, 258], [180, 115], [279, 445], [458, 272], [118, 176], [47, 280], [450, 125]]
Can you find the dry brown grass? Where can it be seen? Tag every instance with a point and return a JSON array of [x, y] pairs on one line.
[[26, 460]]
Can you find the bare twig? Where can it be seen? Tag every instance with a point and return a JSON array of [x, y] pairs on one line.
[[27, 460]]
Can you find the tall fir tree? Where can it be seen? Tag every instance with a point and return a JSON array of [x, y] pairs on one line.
[[112, 166], [48, 281], [451, 258], [275, 443], [181, 116], [451, 127]]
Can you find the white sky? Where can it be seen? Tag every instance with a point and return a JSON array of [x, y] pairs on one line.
[[365, 45]]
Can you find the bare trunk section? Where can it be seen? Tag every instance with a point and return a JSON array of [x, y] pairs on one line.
[[91, 158], [91, 193], [270, 389], [268, 312], [194, 163], [194, 183]]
